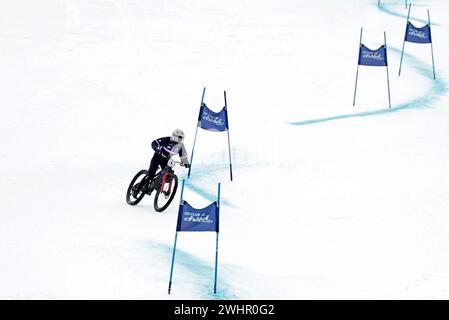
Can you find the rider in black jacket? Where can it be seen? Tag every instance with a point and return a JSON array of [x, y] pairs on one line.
[[166, 147]]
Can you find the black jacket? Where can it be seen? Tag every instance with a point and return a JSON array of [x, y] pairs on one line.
[[168, 148]]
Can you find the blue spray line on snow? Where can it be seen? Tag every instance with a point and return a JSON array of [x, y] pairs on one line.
[[208, 195], [384, 9], [203, 193], [204, 172], [438, 89], [195, 272]]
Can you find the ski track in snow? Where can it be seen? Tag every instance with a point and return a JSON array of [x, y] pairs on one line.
[[438, 89]]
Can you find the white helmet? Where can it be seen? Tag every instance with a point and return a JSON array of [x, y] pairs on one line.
[[177, 136]]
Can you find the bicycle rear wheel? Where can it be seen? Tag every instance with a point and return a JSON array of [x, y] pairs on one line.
[[137, 188], [165, 193]]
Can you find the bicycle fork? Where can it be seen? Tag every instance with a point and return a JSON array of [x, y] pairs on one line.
[[166, 176]]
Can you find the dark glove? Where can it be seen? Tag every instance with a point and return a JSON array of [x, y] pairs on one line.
[[187, 165]]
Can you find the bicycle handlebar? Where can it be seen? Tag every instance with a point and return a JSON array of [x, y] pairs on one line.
[[171, 163]]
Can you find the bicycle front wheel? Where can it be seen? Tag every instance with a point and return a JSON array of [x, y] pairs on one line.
[[165, 193]]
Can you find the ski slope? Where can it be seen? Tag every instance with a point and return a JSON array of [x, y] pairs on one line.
[[329, 201]]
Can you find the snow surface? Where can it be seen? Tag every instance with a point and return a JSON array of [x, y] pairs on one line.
[[328, 200]]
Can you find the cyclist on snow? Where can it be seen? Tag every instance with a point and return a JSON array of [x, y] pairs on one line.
[[166, 147]]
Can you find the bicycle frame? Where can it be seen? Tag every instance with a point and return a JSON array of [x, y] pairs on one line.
[[163, 175], [137, 189]]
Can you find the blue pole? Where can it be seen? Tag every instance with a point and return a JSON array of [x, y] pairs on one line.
[[172, 263], [182, 190], [216, 265], [196, 132], [431, 45], [229, 139], [403, 45], [356, 78], [174, 247], [388, 77], [216, 247], [357, 74], [219, 185], [193, 149]]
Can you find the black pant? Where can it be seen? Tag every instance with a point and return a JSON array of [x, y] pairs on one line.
[[156, 162]]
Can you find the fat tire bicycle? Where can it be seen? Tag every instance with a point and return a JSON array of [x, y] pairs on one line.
[[165, 183]]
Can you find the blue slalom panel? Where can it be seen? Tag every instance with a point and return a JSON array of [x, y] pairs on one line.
[[418, 35], [192, 219], [377, 58], [213, 121]]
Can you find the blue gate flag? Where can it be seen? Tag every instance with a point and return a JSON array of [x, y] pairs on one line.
[[368, 57], [213, 121], [418, 35], [192, 219]]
